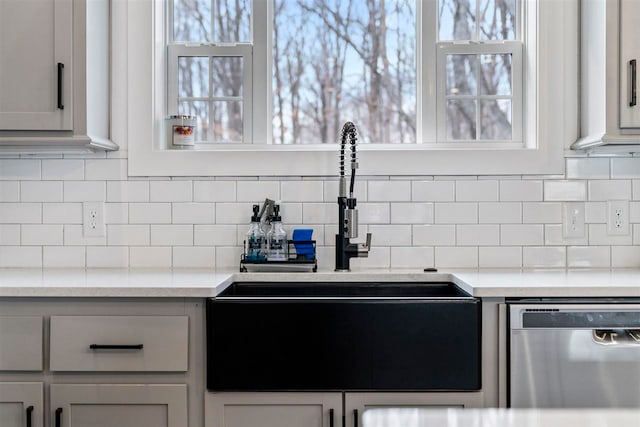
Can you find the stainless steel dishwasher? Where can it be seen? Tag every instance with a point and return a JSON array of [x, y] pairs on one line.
[[574, 355]]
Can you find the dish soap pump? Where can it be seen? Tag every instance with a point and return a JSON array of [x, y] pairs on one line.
[[255, 241], [277, 238]]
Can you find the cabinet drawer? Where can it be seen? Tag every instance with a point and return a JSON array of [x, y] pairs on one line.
[[119, 343], [20, 343]]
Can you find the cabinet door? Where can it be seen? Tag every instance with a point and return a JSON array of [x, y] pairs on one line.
[[629, 73], [35, 91], [401, 409], [273, 409], [108, 405], [21, 404]]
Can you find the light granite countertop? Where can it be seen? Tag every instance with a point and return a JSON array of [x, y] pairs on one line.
[[187, 283]]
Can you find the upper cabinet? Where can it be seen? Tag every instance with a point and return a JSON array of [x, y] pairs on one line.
[[610, 66], [54, 76]]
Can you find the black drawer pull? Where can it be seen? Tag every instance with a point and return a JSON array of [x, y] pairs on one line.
[[58, 417], [29, 412], [330, 417], [116, 347], [355, 418], [60, 69]]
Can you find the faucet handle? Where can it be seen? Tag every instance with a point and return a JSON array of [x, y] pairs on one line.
[[367, 245], [364, 248]]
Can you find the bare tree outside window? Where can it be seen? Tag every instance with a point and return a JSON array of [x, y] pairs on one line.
[[344, 60]]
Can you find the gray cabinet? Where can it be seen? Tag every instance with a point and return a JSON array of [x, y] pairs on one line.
[[629, 63], [21, 404], [21, 343], [35, 46], [273, 409], [107, 405]]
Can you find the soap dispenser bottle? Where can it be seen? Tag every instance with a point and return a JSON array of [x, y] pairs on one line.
[[277, 238], [255, 243]]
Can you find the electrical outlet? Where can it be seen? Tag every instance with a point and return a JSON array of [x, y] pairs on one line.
[[618, 218], [93, 219], [573, 220]]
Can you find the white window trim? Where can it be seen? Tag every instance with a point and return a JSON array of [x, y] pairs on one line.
[[550, 105]]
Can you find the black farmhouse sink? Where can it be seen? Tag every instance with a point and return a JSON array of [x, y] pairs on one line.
[[344, 289], [345, 336]]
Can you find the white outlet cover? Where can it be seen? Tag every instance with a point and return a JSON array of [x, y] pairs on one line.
[[618, 218], [573, 220], [93, 219]]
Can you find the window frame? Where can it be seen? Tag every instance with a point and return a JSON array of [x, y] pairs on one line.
[[549, 105]]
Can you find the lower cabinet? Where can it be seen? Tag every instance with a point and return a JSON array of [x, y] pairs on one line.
[[324, 409], [21, 404], [108, 405], [273, 410]]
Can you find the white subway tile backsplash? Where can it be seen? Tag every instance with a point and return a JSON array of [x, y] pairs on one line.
[[128, 191], [433, 191], [128, 235], [625, 167], [228, 256], [554, 236], [9, 235], [257, 191], [391, 235], [331, 191], [107, 257], [521, 235], [389, 191], [105, 170], [171, 191], [149, 257], [217, 235], [587, 168], [64, 257], [520, 191], [194, 257], [41, 191], [214, 191], [588, 256], [319, 213], [544, 257], [19, 170], [412, 257], [500, 213], [541, 213], [9, 191], [21, 256], [302, 191], [233, 213], [412, 213], [291, 213], [570, 191], [172, 235], [456, 213], [194, 213], [456, 257], [595, 212], [500, 257], [41, 235], [635, 185], [625, 256], [609, 190], [370, 213], [74, 236], [477, 235], [63, 169], [379, 257], [84, 191], [116, 213], [477, 191], [599, 236], [150, 213], [20, 213], [434, 235], [634, 212]]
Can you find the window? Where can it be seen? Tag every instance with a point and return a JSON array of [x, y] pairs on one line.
[[516, 114], [356, 60]]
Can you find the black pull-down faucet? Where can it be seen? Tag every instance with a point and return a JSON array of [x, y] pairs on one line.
[[347, 212]]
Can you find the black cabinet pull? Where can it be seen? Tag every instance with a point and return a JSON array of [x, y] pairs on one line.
[[330, 417], [116, 347], [634, 83], [29, 412], [355, 418], [58, 417], [60, 69]]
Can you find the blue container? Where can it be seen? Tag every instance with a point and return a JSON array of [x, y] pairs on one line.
[[301, 240]]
